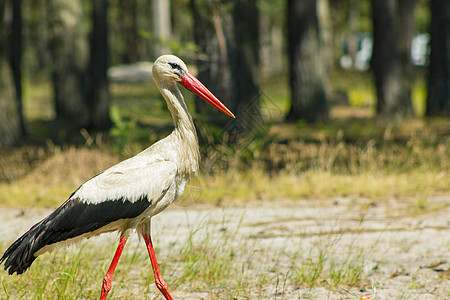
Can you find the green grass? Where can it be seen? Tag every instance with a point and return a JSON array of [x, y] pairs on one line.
[[77, 273], [214, 259], [332, 263], [63, 275]]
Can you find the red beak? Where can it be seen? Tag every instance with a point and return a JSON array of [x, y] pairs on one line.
[[194, 85]]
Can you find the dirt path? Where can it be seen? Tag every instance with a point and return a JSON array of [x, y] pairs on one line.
[[406, 243]]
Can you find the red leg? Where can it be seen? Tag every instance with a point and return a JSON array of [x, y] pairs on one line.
[[160, 283], [106, 287]]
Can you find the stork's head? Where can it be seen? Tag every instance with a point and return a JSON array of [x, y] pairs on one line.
[[171, 68]]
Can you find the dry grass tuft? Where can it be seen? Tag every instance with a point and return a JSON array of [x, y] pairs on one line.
[[53, 180], [71, 167]]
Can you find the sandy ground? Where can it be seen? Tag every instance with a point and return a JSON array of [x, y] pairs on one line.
[[407, 251]]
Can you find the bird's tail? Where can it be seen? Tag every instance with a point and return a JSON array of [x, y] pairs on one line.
[[21, 254]]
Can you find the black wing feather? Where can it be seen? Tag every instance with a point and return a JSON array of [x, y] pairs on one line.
[[73, 218]]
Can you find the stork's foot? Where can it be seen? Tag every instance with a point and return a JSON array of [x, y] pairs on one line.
[[106, 287], [163, 287]]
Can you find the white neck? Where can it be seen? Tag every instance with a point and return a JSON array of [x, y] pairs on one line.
[[184, 134]]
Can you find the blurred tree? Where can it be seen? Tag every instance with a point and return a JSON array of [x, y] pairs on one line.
[[37, 60], [227, 33], [99, 102], [69, 51], [438, 99], [272, 49], [325, 33], [15, 53], [353, 29], [350, 21], [245, 61], [306, 67], [211, 34], [10, 128], [393, 30], [162, 26], [128, 12]]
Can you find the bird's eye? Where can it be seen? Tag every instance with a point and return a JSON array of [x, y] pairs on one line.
[[175, 66]]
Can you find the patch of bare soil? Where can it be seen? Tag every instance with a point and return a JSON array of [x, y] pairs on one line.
[[407, 254]]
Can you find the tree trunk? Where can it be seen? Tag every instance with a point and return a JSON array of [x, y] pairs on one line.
[[326, 47], [69, 49], [15, 53], [130, 30], [229, 64], [98, 85], [10, 128], [306, 67], [404, 35], [438, 99], [246, 62], [393, 29], [162, 26], [212, 24], [326, 35], [353, 31], [36, 35]]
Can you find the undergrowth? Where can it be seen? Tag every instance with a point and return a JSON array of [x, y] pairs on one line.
[[328, 167], [353, 155], [263, 169]]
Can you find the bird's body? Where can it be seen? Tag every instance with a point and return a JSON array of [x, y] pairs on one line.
[[125, 196], [151, 181]]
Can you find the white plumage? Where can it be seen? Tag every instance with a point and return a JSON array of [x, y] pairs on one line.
[[126, 196]]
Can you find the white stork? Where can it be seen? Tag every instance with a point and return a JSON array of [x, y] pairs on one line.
[[127, 195]]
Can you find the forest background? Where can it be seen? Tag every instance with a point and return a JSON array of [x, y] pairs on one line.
[[333, 99]]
